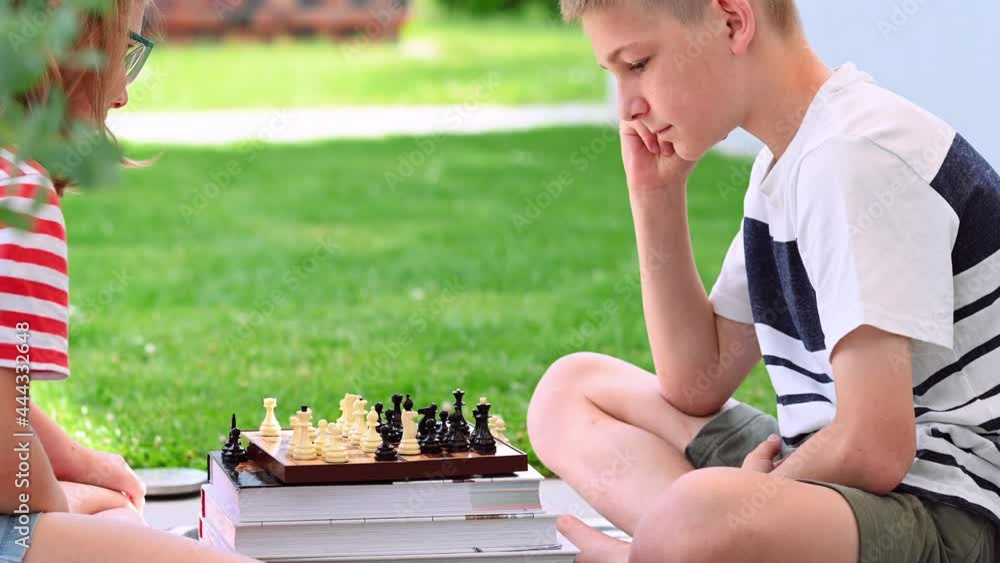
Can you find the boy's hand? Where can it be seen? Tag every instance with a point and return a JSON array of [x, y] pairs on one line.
[[651, 163], [761, 459]]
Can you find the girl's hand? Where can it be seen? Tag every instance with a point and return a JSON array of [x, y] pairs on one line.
[[650, 163], [108, 471]]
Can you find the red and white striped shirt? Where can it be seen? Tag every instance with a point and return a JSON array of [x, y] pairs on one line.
[[34, 274]]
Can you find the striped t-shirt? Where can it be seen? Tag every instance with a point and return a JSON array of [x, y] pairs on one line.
[[879, 214], [34, 282]]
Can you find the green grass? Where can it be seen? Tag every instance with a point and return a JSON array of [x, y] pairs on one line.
[[308, 276], [457, 62]]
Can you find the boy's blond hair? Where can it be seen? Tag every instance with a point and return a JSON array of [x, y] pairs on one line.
[[782, 13]]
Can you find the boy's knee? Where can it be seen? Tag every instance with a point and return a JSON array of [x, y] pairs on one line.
[[564, 380]]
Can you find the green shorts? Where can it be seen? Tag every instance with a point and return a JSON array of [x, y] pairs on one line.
[[895, 528]]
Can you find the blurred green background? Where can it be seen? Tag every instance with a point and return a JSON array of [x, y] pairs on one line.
[[198, 289]]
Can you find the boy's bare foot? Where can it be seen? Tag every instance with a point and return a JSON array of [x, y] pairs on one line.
[[594, 546]]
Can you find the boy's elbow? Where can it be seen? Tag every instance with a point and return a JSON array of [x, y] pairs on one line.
[[687, 398], [881, 468]]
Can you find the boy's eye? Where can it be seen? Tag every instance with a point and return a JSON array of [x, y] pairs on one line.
[[639, 66]]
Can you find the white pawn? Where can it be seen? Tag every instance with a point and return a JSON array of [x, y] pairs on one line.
[[304, 450], [491, 423], [349, 417], [360, 410], [270, 428], [371, 440], [409, 444], [321, 438], [293, 421], [498, 429], [335, 452]]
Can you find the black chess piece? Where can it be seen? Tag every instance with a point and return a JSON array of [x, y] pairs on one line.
[[458, 434], [397, 400], [442, 431], [482, 440], [458, 405], [385, 450], [378, 408], [233, 451], [408, 404], [431, 444], [428, 424]]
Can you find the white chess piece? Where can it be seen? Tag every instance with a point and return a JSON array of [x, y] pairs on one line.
[[409, 444], [498, 429], [321, 437], [482, 400], [270, 428], [360, 410], [491, 423], [346, 407], [349, 416], [371, 440], [335, 452], [304, 448]]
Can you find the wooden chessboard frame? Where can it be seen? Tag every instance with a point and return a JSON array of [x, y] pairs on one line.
[[270, 453]]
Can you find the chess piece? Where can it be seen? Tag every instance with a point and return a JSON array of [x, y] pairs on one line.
[[304, 449], [442, 431], [458, 432], [428, 424], [431, 444], [321, 437], [397, 420], [498, 429], [349, 418], [346, 408], [270, 428], [357, 430], [491, 423], [313, 432], [378, 409], [233, 451], [385, 451], [482, 400], [371, 439], [482, 440], [407, 404], [408, 444], [335, 452]]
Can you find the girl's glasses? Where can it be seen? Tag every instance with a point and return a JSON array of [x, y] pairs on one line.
[[136, 56]]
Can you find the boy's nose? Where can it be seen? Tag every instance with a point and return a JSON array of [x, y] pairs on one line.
[[633, 107]]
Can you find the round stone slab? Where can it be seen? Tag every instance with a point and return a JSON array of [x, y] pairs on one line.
[[171, 481]]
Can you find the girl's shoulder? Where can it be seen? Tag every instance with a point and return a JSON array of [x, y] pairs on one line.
[[25, 178]]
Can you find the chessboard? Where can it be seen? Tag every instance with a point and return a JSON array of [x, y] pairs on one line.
[[272, 454], [361, 447]]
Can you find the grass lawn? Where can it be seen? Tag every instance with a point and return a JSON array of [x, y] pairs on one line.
[[514, 62], [307, 274]]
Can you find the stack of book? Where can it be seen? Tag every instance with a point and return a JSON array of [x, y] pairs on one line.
[[247, 510]]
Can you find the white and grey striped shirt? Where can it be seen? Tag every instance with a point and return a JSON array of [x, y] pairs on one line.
[[879, 214]]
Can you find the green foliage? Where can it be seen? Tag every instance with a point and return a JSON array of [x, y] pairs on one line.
[[547, 8], [32, 33]]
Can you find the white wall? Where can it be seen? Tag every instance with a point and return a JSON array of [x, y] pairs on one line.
[[944, 55]]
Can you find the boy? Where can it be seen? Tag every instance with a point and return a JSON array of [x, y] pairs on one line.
[[865, 274]]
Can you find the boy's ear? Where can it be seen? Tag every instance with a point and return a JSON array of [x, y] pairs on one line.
[[739, 21]]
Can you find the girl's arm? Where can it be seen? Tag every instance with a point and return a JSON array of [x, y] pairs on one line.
[[75, 463], [27, 481]]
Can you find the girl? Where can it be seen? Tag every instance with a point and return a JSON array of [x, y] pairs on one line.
[[62, 501]]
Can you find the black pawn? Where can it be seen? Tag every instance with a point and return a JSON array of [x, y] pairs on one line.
[[458, 440], [431, 444], [408, 404], [442, 431], [482, 441], [385, 451], [233, 451], [378, 408], [428, 424]]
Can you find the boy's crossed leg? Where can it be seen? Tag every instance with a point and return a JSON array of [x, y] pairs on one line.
[[601, 424]]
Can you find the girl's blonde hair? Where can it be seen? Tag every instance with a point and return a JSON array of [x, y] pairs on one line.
[[89, 92]]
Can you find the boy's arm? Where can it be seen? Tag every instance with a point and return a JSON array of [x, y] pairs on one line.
[[700, 357], [871, 443]]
